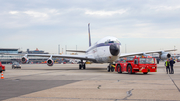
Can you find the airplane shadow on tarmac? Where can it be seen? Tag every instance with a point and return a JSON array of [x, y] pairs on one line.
[[68, 69], [135, 74], [100, 70]]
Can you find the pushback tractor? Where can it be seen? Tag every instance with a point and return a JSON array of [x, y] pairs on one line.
[[137, 64]]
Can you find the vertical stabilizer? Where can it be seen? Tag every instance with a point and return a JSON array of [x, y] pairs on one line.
[[89, 34]]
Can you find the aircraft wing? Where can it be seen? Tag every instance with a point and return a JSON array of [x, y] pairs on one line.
[[80, 51], [147, 52], [83, 57]]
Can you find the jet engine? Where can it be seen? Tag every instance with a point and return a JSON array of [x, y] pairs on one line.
[[165, 55], [24, 60], [50, 62]]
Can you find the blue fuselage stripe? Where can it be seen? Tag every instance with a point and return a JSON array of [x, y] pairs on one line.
[[101, 45]]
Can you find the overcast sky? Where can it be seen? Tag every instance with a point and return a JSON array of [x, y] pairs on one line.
[[143, 25]]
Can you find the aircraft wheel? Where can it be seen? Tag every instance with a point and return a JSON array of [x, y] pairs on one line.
[[112, 69], [108, 68], [129, 69], [119, 69]]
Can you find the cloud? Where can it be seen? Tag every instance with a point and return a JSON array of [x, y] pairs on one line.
[[105, 13], [13, 12], [43, 13], [36, 14], [13, 19], [165, 8], [119, 18]]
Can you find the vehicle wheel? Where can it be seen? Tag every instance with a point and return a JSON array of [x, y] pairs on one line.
[[84, 66], [80, 66], [129, 69], [108, 68], [0, 71], [112, 69], [119, 69], [145, 72]]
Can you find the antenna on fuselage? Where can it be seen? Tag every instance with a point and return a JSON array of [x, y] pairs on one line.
[[89, 34]]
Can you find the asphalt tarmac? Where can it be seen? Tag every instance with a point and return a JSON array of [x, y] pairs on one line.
[[65, 82]]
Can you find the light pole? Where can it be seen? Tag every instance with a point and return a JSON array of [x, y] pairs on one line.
[[66, 48], [76, 49], [174, 48], [125, 48], [58, 49], [62, 50]]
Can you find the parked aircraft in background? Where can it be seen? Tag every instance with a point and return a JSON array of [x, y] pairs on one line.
[[106, 50]]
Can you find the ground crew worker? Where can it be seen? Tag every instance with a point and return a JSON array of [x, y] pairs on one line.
[[171, 65], [167, 63], [158, 60]]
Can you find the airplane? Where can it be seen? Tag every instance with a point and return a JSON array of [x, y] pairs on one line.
[[106, 50]]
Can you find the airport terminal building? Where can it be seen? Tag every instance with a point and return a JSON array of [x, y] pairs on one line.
[[9, 50], [9, 58], [6, 59]]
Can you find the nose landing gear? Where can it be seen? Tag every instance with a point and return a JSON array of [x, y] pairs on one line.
[[110, 68], [82, 65]]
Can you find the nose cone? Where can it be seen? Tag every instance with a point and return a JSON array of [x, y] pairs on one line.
[[114, 49]]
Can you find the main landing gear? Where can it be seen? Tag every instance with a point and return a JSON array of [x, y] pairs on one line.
[[82, 65], [110, 68]]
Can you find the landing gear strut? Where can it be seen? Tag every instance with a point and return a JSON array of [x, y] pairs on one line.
[[82, 65], [110, 68]]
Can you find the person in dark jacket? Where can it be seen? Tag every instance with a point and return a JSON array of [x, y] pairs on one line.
[[171, 65], [167, 63]]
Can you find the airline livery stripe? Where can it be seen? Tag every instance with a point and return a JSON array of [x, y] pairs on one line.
[[101, 45]]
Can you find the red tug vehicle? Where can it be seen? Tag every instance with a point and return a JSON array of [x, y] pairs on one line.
[[2, 68], [138, 64]]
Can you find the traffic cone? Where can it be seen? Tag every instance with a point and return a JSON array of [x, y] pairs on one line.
[[2, 77]]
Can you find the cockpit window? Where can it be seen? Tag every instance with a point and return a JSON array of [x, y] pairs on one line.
[[109, 41]]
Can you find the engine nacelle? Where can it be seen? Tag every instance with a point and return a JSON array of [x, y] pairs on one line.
[[24, 60], [50, 62], [165, 55]]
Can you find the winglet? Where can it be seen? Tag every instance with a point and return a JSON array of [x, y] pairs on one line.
[[89, 34]]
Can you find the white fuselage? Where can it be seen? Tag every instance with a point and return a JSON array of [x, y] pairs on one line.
[[101, 50]]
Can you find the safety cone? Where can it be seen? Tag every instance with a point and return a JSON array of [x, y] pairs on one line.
[[2, 77]]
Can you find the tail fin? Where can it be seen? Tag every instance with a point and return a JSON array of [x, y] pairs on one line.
[[89, 34]]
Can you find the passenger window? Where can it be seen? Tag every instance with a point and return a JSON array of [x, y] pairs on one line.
[[135, 61]]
